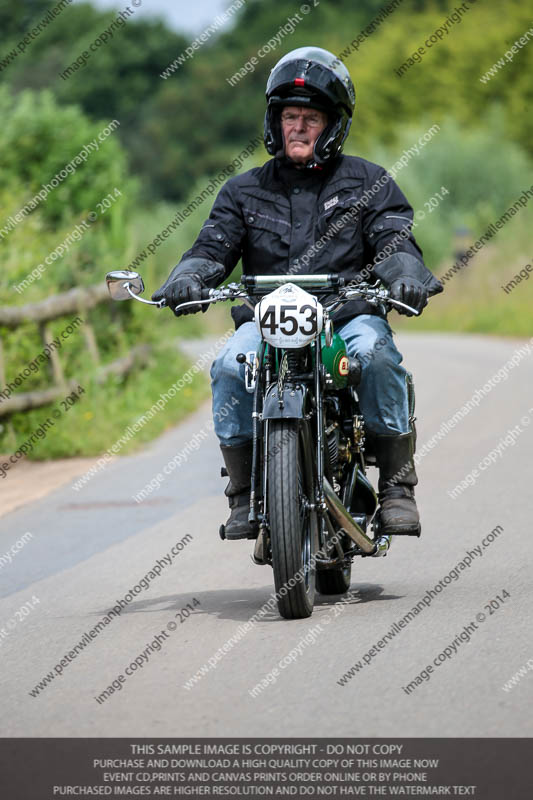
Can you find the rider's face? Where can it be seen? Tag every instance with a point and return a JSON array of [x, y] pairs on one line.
[[301, 128]]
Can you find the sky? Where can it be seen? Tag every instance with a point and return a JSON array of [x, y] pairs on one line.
[[187, 16]]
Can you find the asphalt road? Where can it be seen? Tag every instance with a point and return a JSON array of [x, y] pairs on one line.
[[90, 547]]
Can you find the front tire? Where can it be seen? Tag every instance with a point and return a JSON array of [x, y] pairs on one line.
[[293, 526]]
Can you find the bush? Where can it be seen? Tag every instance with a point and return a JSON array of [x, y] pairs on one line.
[[39, 139]]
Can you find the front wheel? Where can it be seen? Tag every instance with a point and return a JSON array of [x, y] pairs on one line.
[[293, 525]]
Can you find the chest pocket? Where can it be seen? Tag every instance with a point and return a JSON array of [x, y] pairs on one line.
[[265, 229], [338, 212], [339, 226]]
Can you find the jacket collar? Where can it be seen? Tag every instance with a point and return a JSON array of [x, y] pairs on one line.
[[271, 176]]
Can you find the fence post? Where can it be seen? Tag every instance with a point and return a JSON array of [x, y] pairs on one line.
[[57, 369], [90, 338]]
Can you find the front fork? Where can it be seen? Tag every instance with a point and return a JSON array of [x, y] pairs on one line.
[[256, 421]]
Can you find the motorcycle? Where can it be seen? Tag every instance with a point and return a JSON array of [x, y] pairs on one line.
[[312, 506]]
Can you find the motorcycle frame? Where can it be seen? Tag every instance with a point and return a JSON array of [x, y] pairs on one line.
[[290, 408]]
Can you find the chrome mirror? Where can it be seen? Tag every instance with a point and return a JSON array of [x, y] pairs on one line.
[[122, 283]]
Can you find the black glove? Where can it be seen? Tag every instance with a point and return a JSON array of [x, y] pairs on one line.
[[408, 279], [410, 291], [189, 281]]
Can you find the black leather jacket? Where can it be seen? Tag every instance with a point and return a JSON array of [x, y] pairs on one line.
[[281, 219]]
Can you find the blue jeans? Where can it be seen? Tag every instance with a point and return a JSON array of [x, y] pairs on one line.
[[382, 392]]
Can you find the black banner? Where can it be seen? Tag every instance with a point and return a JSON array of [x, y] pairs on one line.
[[485, 769]]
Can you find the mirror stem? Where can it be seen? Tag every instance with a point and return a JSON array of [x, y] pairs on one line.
[[159, 303]]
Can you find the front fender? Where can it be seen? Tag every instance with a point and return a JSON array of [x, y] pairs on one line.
[[293, 406]]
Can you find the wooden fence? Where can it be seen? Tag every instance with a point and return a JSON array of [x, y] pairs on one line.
[[75, 301]]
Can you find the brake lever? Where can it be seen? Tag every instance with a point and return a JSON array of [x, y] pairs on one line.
[[230, 292], [375, 296], [403, 305], [194, 303]]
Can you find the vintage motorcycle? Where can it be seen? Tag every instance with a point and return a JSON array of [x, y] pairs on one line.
[[311, 503]]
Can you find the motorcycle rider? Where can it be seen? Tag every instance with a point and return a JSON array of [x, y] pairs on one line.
[[289, 216]]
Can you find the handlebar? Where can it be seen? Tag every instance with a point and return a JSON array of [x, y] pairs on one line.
[[263, 283], [372, 294], [254, 285]]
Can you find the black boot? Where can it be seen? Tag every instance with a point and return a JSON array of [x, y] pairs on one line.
[[238, 461], [397, 479]]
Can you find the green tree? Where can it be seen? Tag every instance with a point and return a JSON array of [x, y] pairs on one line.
[[39, 138]]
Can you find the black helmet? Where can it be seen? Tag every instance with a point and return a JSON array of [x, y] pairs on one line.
[[315, 78]]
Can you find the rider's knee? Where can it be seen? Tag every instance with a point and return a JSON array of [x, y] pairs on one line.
[[377, 353], [226, 367]]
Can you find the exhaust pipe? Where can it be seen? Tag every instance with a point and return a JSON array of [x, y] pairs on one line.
[[351, 527]]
